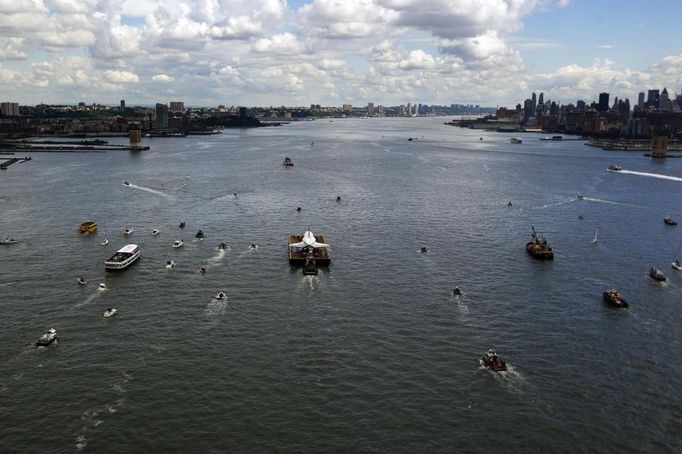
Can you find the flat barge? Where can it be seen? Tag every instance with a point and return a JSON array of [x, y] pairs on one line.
[[298, 255]]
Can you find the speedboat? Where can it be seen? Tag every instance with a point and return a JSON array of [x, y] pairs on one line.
[[456, 291], [253, 246], [123, 258], [338, 198], [423, 250], [178, 243], [677, 265], [128, 230], [310, 267], [222, 246], [287, 162], [155, 232], [579, 197], [104, 242], [614, 299], [539, 248], [82, 281], [614, 168], [46, 339], [182, 225], [516, 140], [125, 183], [102, 287], [298, 209], [170, 264], [199, 235], [656, 274], [493, 362], [9, 240], [669, 221], [110, 312], [202, 270], [221, 296]]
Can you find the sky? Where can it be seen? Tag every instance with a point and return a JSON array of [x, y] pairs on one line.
[[334, 52]]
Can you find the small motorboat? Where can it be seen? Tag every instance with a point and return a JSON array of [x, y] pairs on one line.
[[104, 242], [102, 287], [456, 291], [480, 138], [202, 270], [338, 198], [656, 274], [614, 168], [298, 209], [614, 299], [253, 246], [221, 296], [110, 312], [510, 204], [178, 243], [423, 250], [125, 183], [579, 197], [170, 264], [199, 235], [236, 194], [595, 240], [9, 240], [516, 140], [128, 231], [48, 338], [677, 265], [222, 246], [155, 232], [287, 162], [182, 225], [82, 281], [493, 362], [669, 221], [310, 267]]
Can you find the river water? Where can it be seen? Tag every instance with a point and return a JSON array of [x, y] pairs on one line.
[[372, 355]]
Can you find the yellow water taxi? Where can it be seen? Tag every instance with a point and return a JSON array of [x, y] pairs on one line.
[[87, 227]]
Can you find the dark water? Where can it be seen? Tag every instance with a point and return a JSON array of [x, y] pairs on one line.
[[372, 355]]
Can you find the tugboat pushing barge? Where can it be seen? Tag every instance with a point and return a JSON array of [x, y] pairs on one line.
[[308, 250]]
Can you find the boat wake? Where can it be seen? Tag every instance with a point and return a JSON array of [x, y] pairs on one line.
[[88, 300], [311, 282], [215, 307], [593, 199], [651, 175], [151, 191], [220, 255], [549, 205]]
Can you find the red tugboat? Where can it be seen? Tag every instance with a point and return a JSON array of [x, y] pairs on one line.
[[539, 248], [613, 297], [287, 162], [493, 362]]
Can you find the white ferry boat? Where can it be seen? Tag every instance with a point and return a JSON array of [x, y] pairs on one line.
[[123, 257]]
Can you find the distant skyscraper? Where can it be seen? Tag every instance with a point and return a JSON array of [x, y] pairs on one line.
[[534, 104], [541, 99], [370, 108], [9, 108], [123, 103], [603, 102], [666, 105], [177, 106], [161, 116], [652, 99], [640, 100]]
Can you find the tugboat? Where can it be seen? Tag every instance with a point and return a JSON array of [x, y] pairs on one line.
[[222, 246], [614, 168], [493, 362], [287, 162], [178, 243], [310, 267], [677, 265], [669, 221], [539, 248], [199, 235], [110, 312], [170, 264], [82, 281], [656, 274], [614, 299], [182, 225], [46, 339], [221, 296]]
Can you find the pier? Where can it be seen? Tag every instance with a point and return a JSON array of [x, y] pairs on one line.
[[11, 161]]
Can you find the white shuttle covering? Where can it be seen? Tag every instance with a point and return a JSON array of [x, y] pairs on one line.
[[309, 241]]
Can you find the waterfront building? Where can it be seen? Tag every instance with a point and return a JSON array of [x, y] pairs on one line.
[[370, 108], [347, 107], [653, 98], [177, 106], [161, 116], [603, 102], [123, 103], [9, 109]]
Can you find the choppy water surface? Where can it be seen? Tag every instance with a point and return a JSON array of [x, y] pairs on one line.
[[373, 354]]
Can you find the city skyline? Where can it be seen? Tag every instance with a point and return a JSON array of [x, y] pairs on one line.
[[270, 52]]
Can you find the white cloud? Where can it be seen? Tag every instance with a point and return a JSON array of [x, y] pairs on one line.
[[162, 78], [418, 59], [118, 77], [284, 43]]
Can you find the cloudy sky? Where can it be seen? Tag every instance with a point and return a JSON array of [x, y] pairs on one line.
[[330, 52]]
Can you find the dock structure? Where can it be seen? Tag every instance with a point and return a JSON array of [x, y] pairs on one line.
[[11, 161], [298, 255]]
